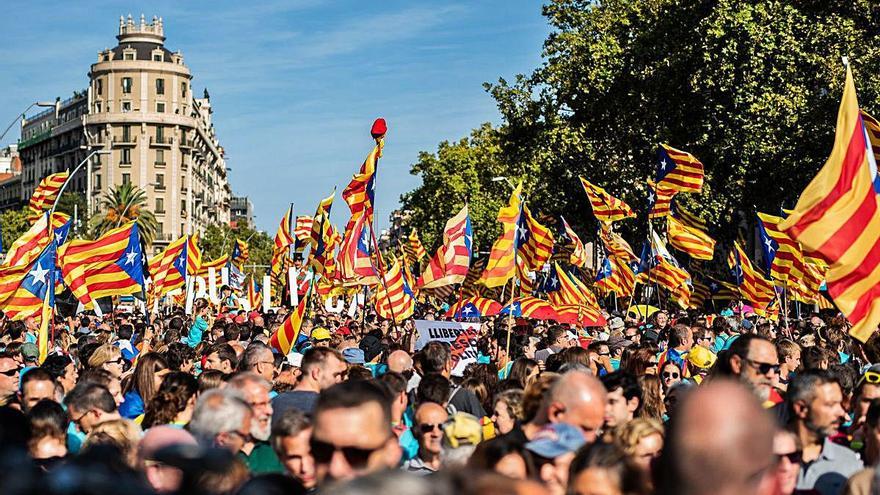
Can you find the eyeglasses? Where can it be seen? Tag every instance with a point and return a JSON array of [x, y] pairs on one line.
[[670, 374], [763, 368], [12, 372], [118, 360], [793, 457], [871, 377], [246, 437], [428, 427], [356, 457]]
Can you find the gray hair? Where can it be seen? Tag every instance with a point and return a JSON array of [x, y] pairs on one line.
[[242, 378], [218, 411], [252, 355]]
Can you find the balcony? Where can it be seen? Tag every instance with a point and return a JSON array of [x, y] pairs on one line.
[[186, 144], [160, 142], [123, 140]]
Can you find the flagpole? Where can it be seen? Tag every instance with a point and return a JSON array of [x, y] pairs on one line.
[[513, 278]]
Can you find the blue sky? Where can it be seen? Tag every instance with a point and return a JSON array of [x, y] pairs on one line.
[[296, 84]]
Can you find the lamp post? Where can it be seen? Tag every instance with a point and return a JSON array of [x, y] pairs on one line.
[[75, 170], [502, 178], [50, 104]]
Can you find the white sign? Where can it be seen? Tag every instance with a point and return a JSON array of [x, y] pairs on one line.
[[461, 337]]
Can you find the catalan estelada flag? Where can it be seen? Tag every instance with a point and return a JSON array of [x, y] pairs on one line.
[[501, 266], [783, 257], [616, 245], [530, 307], [360, 192], [254, 294], [112, 265], [29, 291], [168, 269], [470, 286], [285, 337], [281, 248], [615, 276], [692, 241], [535, 241], [394, 298], [578, 255], [753, 287], [873, 128], [33, 242], [45, 195], [322, 236], [687, 218], [451, 262], [606, 207], [356, 266], [679, 170], [240, 252], [217, 264], [415, 248], [673, 279], [838, 219], [659, 200], [474, 307]]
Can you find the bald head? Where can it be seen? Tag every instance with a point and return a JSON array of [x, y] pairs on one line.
[[720, 442], [578, 399], [399, 361]]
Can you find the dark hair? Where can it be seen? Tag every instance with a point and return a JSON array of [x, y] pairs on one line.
[[56, 364], [487, 454], [317, 356], [433, 387], [678, 334], [178, 353], [88, 396], [231, 332], [521, 369], [739, 347], [434, 357], [291, 422], [625, 381], [225, 352], [803, 386], [48, 419], [125, 331], [142, 380], [394, 382], [209, 379], [610, 458], [271, 484], [872, 418], [813, 356], [176, 390], [36, 375], [97, 376], [348, 395]]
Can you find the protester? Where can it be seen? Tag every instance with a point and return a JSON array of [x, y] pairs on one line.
[[291, 433], [322, 368]]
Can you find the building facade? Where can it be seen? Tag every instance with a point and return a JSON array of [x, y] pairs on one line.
[[10, 177], [242, 211], [140, 107]]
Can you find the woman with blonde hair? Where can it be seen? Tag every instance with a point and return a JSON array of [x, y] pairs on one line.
[[119, 433], [507, 413], [108, 357], [641, 440], [653, 400]]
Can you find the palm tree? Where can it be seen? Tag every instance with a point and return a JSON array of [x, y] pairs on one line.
[[124, 204]]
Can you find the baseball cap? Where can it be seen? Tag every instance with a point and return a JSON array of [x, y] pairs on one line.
[[462, 429], [295, 359], [617, 341], [616, 323], [555, 440], [701, 357], [30, 351], [320, 333], [353, 355]]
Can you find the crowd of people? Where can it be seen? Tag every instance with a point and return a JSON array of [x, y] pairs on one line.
[[679, 402]]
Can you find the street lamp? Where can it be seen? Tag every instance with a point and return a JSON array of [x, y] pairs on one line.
[[503, 178], [75, 170], [50, 104]]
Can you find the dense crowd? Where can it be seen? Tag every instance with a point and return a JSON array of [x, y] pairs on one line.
[[677, 402]]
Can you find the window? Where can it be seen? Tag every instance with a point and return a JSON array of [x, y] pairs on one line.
[[160, 86], [183, 206], [126, 134], [160, 180], [98, 181], [126, 106], [160, 107], [160, 134], [183, 89], [160, 205], [157, 57], [128, 56], [126, 85], [99, 86], [159, 230], [126, 158], [126, 178], [160, 160], [97, 107]]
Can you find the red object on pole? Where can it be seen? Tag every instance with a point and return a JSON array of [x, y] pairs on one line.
[[379, 128]]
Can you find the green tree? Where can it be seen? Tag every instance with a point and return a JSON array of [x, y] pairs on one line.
[[13, 223], [124, 204], [750, 88], [219, 239], [71, 203]]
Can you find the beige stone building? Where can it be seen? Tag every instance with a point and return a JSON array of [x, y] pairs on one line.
[[140, 106]]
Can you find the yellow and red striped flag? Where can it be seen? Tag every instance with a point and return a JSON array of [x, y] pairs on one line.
[[323, 237], [24, 287], [694, 242], [606, 207], [679, 170], [578, 255], [303, 228], [753, 287], [615, 276], [111, 265], [673, 279], [360, 192], [453, 258], [281, 249], [415, 247], [27, 247], [687, 217], [240, 252], [838, 219], [254, 294], [501, 266], [285, 337], [872, 126], [356, 266], [783, 256], [535, 241], [470, 286], [659, 200], [216, 264], [616, 245], [394, 298], [45, 195], [169, 269]]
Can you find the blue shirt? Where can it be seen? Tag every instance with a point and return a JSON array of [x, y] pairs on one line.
[[132, 405], [196, 331]]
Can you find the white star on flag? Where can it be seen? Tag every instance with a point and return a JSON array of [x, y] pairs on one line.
[[467, 310], [769, 244], [522, 231], [38, 274], [663, 164], [130, 257]]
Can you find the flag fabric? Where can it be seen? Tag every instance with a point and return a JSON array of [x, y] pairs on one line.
[[530, 307], [606, 207], [168, 269], [501, 266], [659, 200], [837, 218], [112, 265], [303, 228], [34, 241], [535, 241], [474, 307], [872, 126], [616, 276], [578, 255], [416, 249], [451, 262], [217, 264], [254, 294], [322, 236], [360, 192], [692, 241], [560, 289], [615, 245], [394, 298], [356, 266], [753, 287], [45, 195], [673, 279], [281, 248], [525, 278], [679, 170], [688, 218], [783, 257], [23, 287], [570, 297], [470, 286], [240, 252], [194, 255], [699, 295], [285, 337]]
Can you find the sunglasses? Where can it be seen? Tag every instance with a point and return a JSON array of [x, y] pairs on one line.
[[668, 374], [428, 427], [356, 457], [12, 372], [793, 457], [763, 368], [871, 377]]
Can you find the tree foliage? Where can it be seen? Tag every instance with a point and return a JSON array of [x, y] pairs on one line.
[[13, 223], [123, 204], [749, 87], [219, 239]]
